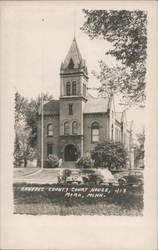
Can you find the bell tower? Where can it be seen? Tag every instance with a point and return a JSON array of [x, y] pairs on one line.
[[73, 95], [73, 74]]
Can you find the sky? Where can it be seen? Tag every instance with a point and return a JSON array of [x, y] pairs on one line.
[[39, 39]]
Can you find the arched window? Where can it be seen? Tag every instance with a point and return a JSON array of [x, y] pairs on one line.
[[68, 88], [75, 128], [66, 128], [50, 130], [95, 131], [74, 88]]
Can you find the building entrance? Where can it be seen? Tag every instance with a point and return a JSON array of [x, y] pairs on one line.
[[70, 153]]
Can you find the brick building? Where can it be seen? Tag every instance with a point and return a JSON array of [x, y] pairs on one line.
[[74, 124]]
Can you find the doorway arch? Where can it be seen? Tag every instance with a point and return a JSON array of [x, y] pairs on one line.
[[70, 153]]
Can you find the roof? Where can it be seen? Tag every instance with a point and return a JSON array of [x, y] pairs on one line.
[[96, 105], [50, 108], [73, 54]]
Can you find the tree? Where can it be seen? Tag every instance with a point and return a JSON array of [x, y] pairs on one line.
[[139, 149], [127, 32], [26, 151], [26, 127], [109, 155], [85, 162], [32, 118], [18, 159]]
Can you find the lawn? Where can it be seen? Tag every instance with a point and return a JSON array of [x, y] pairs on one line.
[[54, 200]]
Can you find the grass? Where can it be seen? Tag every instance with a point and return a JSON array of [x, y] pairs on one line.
[[55, 203]]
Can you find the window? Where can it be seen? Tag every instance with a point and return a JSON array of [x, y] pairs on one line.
[[50, 130], [68, 89], [70, 109], [75, 128], [49, 149], [95, 132], [66, 128], [74, 88], [71, 64]]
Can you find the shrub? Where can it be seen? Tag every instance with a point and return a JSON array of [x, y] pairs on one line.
[[53, 161], [109, 155], [85, 162]]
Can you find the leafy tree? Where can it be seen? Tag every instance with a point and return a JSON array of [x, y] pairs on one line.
[[23, 151], [31, 116], [109, 155], [85, 162], [26, 127], [21, 104], [18, 159], [127, 32], [139, 150]]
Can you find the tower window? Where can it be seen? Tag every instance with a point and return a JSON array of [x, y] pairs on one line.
[[95, 132], [74, 88], [50, 130], [74, 128], [68, 89], [71, 64], [66, 128], [49, 149], [70, 109]]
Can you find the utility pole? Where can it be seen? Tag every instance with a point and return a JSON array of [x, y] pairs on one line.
[[42, 71]]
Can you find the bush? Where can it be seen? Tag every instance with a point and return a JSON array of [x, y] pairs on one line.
[[109, 154], [53, 161], [85, 162]]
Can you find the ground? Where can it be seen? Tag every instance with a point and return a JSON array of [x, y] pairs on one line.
[[36, 193]]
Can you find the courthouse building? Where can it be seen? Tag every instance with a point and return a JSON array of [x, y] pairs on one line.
[[75, 123]]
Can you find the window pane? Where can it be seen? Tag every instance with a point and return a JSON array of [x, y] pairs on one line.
[[70, 109], [66, 128], [74, 128], [95, 138], [49, 149], [50, 130], [68, 88], [95, 131], [74, 88]]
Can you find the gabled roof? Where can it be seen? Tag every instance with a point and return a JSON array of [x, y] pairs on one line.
[[96, 105], [50, 108]]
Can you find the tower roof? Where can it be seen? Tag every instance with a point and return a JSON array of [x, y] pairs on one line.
[[73, 58]]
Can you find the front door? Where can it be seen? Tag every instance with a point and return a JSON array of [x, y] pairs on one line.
[[70, 153]]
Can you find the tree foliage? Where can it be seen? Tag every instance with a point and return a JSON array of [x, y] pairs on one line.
[[85, 162], [127, 32], [26, 127], [109, 155], [53, 161], [31, 116], [139, 150]]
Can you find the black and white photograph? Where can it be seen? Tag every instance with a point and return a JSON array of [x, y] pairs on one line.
[[79, 80]]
